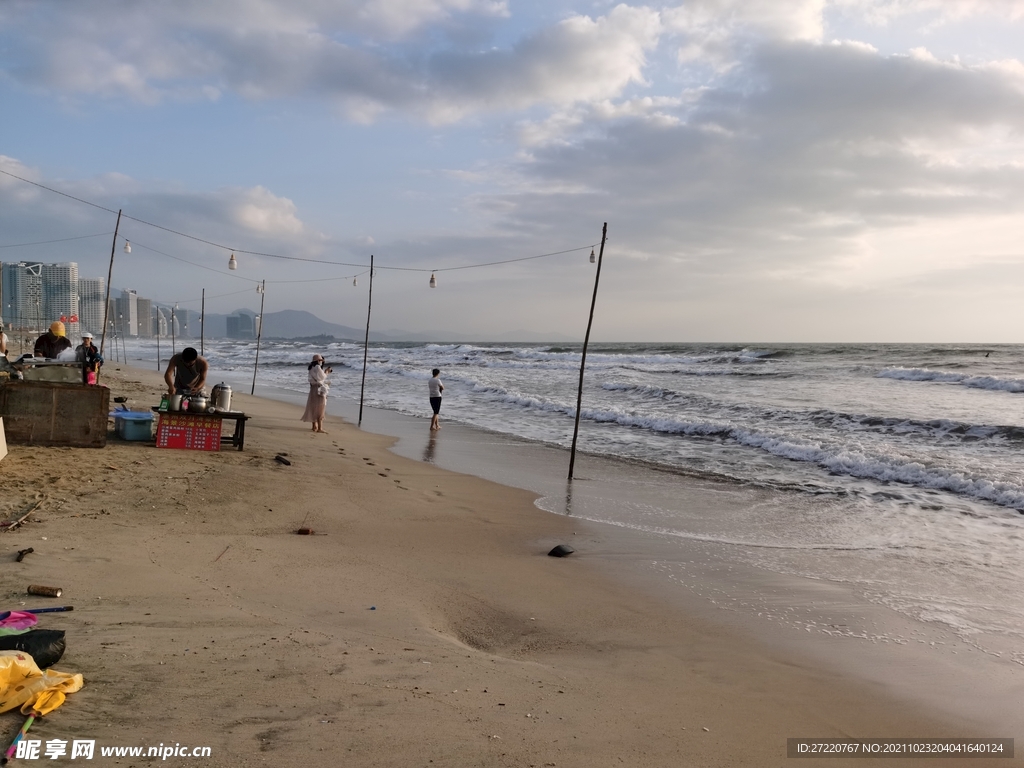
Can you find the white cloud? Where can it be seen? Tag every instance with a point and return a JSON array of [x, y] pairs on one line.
[[260, 211], [882, 12], [791, 171], [321, 50], [715, 31]]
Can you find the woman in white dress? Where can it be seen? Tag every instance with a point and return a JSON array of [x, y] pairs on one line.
[[316, 402]]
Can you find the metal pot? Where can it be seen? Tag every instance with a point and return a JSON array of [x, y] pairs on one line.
[[197, 403], [175, 404], [220, 398]]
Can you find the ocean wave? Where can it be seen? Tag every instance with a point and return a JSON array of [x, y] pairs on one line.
[[842, 461], [993, 383], [930, 429]]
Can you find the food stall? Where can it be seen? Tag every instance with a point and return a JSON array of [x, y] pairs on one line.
[[44, 402]]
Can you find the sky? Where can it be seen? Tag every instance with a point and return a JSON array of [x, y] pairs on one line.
[[769, 170]]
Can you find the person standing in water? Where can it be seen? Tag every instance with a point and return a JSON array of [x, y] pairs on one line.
[[435, 388]]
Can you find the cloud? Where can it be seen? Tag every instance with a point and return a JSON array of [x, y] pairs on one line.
[[251, 218], [720, 33], [259, 211], [363, 56], [882, 12], [797, 167]]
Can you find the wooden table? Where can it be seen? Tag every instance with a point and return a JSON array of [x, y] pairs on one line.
[[198, 424]]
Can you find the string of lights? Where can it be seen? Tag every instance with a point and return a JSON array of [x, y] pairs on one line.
[[284, 257], [199, 298], [137, 244]]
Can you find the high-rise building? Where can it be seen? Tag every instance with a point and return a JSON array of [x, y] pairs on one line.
[[91, 292], [240, 326], [60, 295], [162, 322], [188, 322], [145, 325], [23, 295], [129, 320]]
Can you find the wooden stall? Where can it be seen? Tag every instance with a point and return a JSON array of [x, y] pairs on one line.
[[54, 413]]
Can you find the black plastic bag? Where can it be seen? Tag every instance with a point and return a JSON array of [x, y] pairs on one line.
[[45, 646]]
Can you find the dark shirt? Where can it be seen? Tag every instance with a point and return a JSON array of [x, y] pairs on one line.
[[185, 374], [50, 346], [89, 356]]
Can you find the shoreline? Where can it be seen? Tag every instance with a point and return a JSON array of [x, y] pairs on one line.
[[830, 622], [426, 624]]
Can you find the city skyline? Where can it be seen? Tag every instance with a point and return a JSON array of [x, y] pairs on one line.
[[35, 294]]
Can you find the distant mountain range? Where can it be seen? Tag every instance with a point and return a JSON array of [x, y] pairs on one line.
[[296, 323]]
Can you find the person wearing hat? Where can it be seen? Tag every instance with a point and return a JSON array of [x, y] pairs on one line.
[[53, 342], [316, 401], [90, 358]]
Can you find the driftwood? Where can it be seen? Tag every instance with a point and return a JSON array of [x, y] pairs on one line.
[[10, 525]]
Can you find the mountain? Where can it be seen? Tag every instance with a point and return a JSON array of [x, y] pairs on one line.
[[297, 324]]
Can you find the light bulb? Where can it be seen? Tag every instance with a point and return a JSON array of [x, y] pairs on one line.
[[127, 246], [433, 280], [592, 259], [232, 262]]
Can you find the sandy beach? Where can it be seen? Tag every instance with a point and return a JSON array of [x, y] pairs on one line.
[[422, 623]]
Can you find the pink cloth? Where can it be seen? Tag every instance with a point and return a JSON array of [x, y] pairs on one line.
[[316, 405]]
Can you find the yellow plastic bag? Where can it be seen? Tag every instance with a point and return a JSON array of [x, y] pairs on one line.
[[23, 684]]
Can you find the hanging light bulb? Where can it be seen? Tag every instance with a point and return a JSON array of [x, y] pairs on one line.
[[592, 259], [127, 247], [433, 280], [232, 262], [355, 281]]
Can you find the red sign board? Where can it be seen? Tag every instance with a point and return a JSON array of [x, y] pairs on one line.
[[190, 432]]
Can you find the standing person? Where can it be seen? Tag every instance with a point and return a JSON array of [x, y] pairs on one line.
[[3, 339], [186, 373], [316, 402], [87, 354], [435, 388], [52, 343]]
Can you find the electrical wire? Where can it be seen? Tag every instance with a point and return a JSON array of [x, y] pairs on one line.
[[62, 240]]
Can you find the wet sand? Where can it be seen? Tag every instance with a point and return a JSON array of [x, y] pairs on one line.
[[422, 625]]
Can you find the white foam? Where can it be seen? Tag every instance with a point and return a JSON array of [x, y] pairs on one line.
[[978, 382]]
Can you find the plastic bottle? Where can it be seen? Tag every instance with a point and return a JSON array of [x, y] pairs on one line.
[[164, 403]]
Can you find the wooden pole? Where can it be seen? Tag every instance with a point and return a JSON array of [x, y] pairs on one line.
[[202, 325], [583, 359], [366, 343], [259, 333], [110, 276]]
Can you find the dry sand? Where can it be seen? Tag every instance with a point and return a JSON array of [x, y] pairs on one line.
[[423, 624]]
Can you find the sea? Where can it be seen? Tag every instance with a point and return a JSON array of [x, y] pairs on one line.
[[892, 473]]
